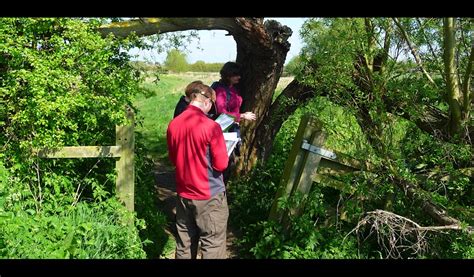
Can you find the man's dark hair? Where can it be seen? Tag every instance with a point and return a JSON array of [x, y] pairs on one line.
[[228, 70]]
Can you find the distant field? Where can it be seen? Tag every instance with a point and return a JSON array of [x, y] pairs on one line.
[[187, 77], [206, 77], [284, 81]]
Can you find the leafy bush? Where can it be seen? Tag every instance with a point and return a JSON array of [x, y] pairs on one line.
[[146, 204], [329, 214], [63, 84], [293, 67], [85, 231]]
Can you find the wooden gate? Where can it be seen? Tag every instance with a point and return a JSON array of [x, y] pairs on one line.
[[310, 162], [124, 150]]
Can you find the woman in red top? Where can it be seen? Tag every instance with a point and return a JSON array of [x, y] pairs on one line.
[[228, 99]]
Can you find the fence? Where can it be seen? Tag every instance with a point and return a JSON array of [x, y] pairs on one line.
[[124, 150], [310, 162]]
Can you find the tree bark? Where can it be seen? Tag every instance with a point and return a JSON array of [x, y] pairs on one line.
[[151, 26], [452, 84], [261, 52], [466, 86]]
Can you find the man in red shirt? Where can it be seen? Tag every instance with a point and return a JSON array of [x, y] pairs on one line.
[[197, 148]]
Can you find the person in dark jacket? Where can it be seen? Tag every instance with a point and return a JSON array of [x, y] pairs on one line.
[[185, 99]]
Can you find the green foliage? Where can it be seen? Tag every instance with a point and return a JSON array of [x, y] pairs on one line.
[[85, 232], [3, 174], [306, 238], [198, 66], [252, 196], [146, 206], [329, 215], [3, 183], [441, 166], [334, 60], [63, 84], [293, 67], [176, 61], [366, 92]]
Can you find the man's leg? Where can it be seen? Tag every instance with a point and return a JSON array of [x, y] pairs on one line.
[[188, 236], [211, 219]]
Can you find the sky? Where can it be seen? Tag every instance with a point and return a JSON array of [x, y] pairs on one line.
[[215, 47]]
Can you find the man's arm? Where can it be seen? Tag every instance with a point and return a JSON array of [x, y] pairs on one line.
[[220, 159], [171, 153]]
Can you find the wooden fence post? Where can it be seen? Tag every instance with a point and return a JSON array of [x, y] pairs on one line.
[[309, 126], [310, 162], [308, 170], [125, 138]]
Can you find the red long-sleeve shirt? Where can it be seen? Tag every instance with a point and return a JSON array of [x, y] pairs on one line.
[[197, 148], [231, 107]]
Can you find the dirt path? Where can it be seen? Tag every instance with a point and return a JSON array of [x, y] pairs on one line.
[[166, 187]]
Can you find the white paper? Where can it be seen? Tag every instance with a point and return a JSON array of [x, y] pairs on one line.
[[231, 141], [230, 136], [224, 120], [231, 144]]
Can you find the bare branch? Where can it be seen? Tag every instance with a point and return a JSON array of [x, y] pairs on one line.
[[398, 235], [429, 45], [413, 51]]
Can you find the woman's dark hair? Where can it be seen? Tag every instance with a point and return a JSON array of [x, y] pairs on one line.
[[228, 70]]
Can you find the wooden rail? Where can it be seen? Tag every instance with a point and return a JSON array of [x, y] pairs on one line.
[[123, 150]]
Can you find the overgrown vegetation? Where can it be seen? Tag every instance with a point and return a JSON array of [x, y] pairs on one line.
[[374, 108], [293, 67], [63, 85], [329, 214]]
